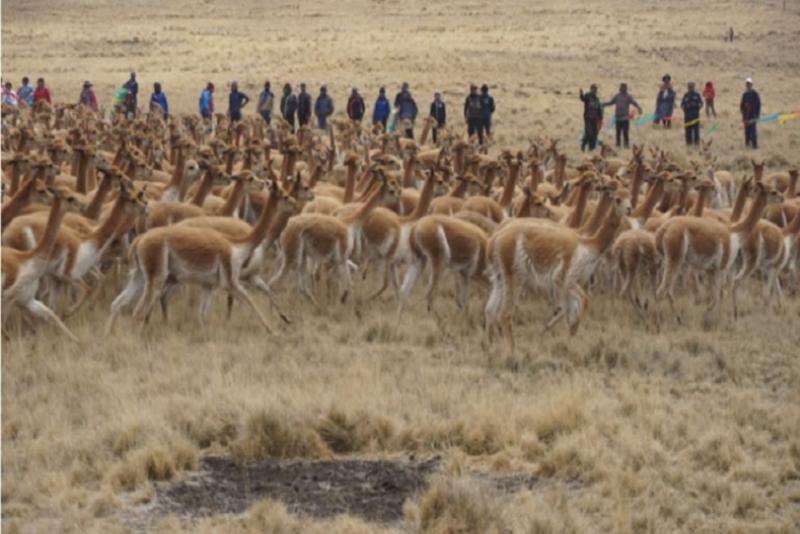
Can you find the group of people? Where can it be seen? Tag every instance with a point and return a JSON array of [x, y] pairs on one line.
[[691, 104], [479, 107], [26, 95], [297, 109]]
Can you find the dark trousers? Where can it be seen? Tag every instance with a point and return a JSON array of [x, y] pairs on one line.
[[475, 126], [266, 115], [622, 129], [692, 133], [303, 119], [710, 108], [435, 132], [290, 120], [487, 126], [590, 131], [750, 134]]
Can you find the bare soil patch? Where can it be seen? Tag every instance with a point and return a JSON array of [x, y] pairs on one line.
[[373, 490]]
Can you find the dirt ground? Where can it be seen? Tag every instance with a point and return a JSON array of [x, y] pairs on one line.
[[691, 429]]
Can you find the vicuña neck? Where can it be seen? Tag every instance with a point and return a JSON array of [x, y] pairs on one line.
[[700, 203], [45, 247], [747, 225], [95, 206], [741, 199], [510, 187], [234, 199], [350, 182], [204, 188], [364, 211], [636, 184], [603, 238], [576, 215], [654, 194]]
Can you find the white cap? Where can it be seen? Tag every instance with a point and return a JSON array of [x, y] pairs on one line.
[[749, 80]]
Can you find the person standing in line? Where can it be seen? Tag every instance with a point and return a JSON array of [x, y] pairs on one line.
[[25, 93], [592, 117], [406, 108], [665, 102], [382, 109], [473, 110], [207, 102], [323, 107], [303, 106], [709, 94], [750, 107], [131, 103], [355, 106], [266, 103], [691, 104], [159, 98], [487, 110], [236, 101], [9, 98], [622, 103], [288, 106], [439, 114], [88, 97], [42, 93]]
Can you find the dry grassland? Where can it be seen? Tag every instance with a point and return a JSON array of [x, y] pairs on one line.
[[694, 429]]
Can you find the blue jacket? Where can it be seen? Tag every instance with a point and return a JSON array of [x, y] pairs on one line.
[[665, 102], [324, 105], [206, 103], [691, 104], [25, 92], [382, 109], [161, 100], [133, 87]]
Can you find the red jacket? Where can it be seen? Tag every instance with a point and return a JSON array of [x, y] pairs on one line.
[[41, 93], [709, 92]]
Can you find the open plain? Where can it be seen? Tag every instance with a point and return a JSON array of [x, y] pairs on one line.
[[693, 427]]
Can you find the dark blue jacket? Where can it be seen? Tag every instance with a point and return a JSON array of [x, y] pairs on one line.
[[382, 109], [303, 105], [161, 100], [407, 107], [236, 100], [487, 106], [323, 107], [751, 105], [691, 104], [133, 87], [439, 113]]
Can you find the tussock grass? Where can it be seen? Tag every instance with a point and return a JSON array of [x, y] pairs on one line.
[[273, 435], [456, 505]]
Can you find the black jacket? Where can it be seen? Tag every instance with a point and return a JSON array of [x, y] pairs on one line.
[[304, 105], [487, 106], [355, 107], [288, 105], [592, 108], [751, 105], [439, 113], [691, 104], [473, 107]]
